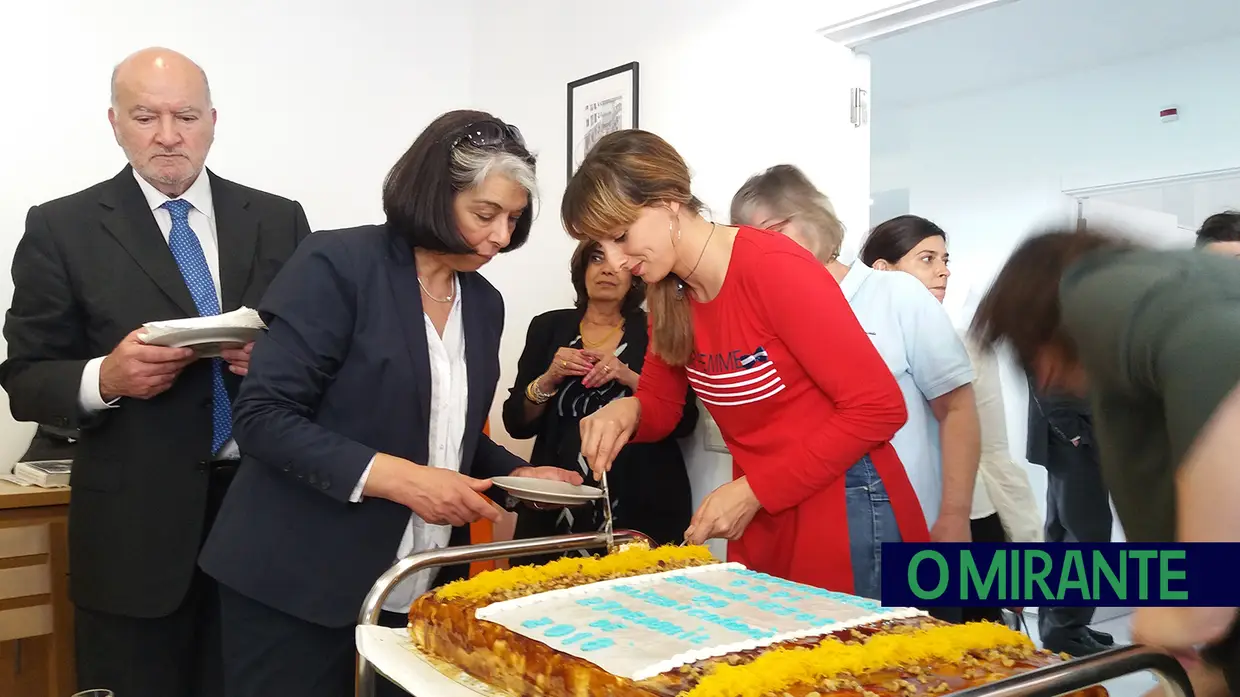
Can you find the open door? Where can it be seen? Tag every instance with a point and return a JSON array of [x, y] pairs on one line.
[[751, 111], [1150, 227]]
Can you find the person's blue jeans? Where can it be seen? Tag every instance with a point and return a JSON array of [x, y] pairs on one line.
[[871, 522]]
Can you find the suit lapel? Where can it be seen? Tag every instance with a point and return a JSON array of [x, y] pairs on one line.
[[407, 297], [236, 227], [128, 218], [478, 344]]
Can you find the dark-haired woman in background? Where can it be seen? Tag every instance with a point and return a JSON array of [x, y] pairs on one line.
[[1003, 507], [575, 362], [361, 419]]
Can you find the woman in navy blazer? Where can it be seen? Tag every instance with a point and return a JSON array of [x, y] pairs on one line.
[[365, 401]]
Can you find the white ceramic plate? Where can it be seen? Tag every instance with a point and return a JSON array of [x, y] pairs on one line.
[[206, 341], [547, 490]]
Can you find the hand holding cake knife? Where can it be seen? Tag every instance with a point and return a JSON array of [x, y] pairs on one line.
[[607, 520]]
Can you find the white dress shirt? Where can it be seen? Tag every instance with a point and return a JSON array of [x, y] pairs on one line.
[[449, 397], [202, 221], [1002, 485], [916, 339]]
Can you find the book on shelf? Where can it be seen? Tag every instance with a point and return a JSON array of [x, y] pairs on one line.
[[42, 473]]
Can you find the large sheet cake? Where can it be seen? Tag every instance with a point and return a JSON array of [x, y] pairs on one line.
[[674, 622]]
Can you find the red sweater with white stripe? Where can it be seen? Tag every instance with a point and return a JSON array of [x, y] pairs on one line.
[[800, 394]]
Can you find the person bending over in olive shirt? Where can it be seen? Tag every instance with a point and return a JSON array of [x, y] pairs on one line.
[[1154, 338]]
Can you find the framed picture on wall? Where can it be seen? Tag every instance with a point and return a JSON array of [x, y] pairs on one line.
[[597, 105]]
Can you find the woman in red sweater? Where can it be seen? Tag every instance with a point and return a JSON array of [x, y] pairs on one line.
[[766, 339]]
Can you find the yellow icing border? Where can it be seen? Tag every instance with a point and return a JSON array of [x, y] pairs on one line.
[[630, 559], [781, 668]]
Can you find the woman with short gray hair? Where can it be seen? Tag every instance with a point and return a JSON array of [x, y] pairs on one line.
[[361, 420]]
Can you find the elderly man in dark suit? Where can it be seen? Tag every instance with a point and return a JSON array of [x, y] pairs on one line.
[[163, 239]]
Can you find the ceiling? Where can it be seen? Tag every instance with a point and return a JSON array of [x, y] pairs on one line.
[[1022, 40]]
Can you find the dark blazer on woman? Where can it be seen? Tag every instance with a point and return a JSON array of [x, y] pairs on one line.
[[342, 373], [648, 484]]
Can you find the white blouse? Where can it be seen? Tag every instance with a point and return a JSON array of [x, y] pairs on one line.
[[1002, 485], [449, 397]]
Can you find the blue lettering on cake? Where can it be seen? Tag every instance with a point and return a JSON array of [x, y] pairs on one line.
[[597, 644], [632, 615], [699, 637], [656, 599], [775, 608], [607, 625], [708, 588], [701, 600], [729, 623], [638, 618]]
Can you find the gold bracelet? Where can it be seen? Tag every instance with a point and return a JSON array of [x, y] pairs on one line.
[[535, 394]]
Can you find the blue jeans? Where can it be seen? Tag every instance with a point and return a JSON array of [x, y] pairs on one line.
[[871, 522]]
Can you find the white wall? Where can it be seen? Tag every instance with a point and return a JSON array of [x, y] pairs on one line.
[[989, 166], [316, 100], [734, 85]]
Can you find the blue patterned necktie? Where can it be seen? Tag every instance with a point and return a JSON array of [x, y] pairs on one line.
[[193, 264]]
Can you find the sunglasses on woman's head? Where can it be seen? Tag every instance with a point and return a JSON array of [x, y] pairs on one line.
[[490, 134]]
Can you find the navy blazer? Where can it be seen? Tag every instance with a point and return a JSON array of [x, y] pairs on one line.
[[342, 373]]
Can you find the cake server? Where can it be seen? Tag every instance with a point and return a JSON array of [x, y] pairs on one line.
[[607, 527]]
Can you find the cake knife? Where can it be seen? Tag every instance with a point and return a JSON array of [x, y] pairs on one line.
[[607, 527]]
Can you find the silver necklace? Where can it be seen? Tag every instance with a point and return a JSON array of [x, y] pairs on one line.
[[432, 297]]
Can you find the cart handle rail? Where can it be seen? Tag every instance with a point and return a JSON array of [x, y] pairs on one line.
[[1045, 682], [364, 682]]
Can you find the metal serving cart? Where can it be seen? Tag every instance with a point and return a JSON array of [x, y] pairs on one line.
[[1045, 682]]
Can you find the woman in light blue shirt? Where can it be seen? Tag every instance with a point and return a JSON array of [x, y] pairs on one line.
[[1003, 505], [939, 444]]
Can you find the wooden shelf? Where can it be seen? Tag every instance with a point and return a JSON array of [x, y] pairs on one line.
[[36, 644]]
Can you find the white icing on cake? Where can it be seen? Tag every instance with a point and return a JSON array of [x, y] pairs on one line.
[[642, 626]]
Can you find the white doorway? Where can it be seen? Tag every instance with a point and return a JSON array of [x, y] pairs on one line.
[[1172, 209]]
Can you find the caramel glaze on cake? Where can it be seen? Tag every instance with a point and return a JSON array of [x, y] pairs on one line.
[[445, 628]]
